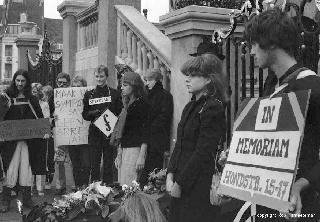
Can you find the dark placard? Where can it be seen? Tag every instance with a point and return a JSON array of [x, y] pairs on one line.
[[24, 129]]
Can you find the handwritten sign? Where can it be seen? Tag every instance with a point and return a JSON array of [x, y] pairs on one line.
[[24, 129], [106, 122], [262, 162], [70, 128]]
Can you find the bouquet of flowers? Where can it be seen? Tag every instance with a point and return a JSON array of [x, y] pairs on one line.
[[156, 182], [95, 198]]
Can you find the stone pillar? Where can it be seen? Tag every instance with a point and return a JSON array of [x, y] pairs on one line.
[[186, 28], [24, 44], [68, 10], [107, 38]]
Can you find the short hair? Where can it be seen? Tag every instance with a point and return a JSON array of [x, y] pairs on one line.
[[79, 79], [47, 91], [155, 74], [273, 27], [102, 68], [63, 75], [208, 66]]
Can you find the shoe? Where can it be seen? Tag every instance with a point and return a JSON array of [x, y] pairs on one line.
[[26, 197], [60, 191], [6, 199]]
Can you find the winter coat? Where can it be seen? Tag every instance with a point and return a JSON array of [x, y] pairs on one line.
[[161, 111], [201, 129], [36, 147], [92, 112], [136, 127]]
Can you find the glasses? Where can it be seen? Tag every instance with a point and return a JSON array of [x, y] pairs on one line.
[[62, 83]]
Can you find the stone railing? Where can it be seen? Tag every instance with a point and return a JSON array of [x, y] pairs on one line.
[[88, 28], [141, 45], [232, 4]]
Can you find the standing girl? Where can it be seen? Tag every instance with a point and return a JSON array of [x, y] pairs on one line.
[[132, 129], [201, 129], [20, 157]]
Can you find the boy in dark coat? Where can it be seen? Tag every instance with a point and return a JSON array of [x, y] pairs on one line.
[[161, 111]]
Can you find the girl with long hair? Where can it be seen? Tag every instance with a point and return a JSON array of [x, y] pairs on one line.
[[131, 131], [201, 129], [20, 157]]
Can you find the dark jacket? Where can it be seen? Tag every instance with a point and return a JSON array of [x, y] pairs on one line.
[[136, 128], [36, 147], [309, 163], [201, 128], [161, 111], [92, 112]]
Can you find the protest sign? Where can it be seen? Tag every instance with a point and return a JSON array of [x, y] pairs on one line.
[[70, 127], [24, 129], [106, 122], [264, 150]]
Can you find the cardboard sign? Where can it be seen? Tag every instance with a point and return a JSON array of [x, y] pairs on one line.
[[264, 150], [24, 129], [106, 122], [101, 100], [70, 128]]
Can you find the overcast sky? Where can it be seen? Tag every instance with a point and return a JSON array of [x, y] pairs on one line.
[[155, 8]]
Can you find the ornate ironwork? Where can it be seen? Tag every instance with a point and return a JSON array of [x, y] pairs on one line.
[[45, 69], [232, 4]]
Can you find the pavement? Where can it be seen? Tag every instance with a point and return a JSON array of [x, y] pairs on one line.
[[14, 216]]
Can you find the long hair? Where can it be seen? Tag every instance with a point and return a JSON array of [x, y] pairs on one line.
[[208, 66], [141, 207], [13, 92], [135, 81]]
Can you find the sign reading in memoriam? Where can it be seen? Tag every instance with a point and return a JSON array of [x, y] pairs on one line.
[[264, 150], [106, 122], [24, 129], [70, 127]]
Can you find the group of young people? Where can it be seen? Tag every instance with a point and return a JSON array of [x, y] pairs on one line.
[[142, 132]]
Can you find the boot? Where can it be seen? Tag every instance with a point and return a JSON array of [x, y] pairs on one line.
[[6, 198], [26, 197]]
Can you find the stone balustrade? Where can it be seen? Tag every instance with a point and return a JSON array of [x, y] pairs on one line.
[[87, 28], [141, 45]]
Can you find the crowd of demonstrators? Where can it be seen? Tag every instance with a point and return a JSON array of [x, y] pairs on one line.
[[22, 158], [131, 131], [274, 39], [201, 129], [99, 143]]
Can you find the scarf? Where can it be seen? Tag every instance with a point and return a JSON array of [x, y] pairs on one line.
[[118, 129]]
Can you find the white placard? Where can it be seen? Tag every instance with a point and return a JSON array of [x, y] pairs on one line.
[[106, 122], [70, 127], [101, 100]]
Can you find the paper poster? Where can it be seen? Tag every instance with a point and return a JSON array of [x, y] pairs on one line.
[[70, 127], [106, 122]]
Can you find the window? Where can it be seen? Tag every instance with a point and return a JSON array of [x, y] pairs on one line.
[[8, 50], [8, 71]]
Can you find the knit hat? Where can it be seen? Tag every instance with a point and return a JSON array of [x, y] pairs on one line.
[[209, 48], [132, 79]]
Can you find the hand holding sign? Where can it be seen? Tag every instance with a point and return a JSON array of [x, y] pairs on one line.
[[106, 122]]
